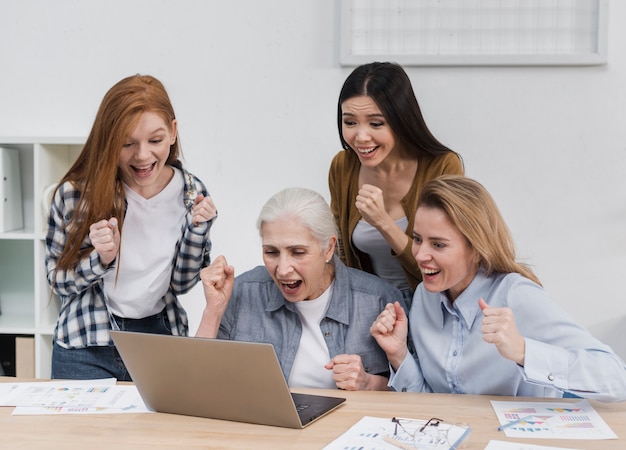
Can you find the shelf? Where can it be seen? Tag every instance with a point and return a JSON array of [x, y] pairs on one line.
[[48, 314], [17, 324], [26, 141], [26, 304], [25, 234]]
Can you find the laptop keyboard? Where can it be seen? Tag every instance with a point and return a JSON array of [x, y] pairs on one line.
[[301, 407]]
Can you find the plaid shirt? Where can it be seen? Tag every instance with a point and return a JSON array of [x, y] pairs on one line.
[[84, 318]]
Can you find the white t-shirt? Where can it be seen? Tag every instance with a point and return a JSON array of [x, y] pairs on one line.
[[152, 227], [308, 369]]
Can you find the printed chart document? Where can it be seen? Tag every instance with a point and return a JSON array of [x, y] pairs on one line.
[[71, 397], [551, 420], [377, 433]]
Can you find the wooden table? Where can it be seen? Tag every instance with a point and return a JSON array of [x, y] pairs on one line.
[[165, 431]]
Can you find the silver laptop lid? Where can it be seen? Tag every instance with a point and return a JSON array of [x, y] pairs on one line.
[[229, 380]]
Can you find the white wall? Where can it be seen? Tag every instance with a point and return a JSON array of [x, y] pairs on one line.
[[255, 85]]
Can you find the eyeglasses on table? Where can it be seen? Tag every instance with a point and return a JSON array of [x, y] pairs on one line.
[[428, 435]]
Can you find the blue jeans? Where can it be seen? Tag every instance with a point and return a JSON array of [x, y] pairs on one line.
[[91, 363]]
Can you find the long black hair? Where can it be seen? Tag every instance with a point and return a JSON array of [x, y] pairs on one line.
[[388, 85]]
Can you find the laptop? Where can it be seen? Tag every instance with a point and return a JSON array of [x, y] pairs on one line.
[[217, 379]]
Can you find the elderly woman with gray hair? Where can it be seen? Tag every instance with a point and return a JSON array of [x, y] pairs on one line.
[[314, 310]]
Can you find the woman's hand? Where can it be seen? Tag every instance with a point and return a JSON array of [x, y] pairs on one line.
[[499, 328], [349, 374], [218, 280], [203, 210], [390, 329], [371, 204], [105, 238]]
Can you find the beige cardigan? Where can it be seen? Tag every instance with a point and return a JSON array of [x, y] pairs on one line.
[[343, 181]]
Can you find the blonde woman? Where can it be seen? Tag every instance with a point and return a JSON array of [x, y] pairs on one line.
[[482, 323]]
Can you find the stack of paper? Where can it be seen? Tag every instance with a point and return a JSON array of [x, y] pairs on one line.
[[71, 397]]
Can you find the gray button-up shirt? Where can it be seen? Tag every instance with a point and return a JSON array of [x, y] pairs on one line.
[[257, 312]]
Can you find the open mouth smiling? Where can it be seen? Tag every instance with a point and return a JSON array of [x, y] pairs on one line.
[[291, 285], [366, 151], [430, 272], [143, 170]]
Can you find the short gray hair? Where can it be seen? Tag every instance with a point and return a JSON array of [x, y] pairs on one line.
[[303, 205]]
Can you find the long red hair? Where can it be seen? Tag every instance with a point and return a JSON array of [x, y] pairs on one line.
[[95, 173]]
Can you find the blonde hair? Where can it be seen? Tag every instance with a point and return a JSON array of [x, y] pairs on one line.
[[473, 211]]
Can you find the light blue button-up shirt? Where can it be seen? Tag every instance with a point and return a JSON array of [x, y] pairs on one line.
[[452, 357], [258, 312]]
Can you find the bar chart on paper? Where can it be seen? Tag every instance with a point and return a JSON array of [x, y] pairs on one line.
[[551, 420]]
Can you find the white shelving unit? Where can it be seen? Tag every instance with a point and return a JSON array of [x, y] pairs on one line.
[[26, 303]]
